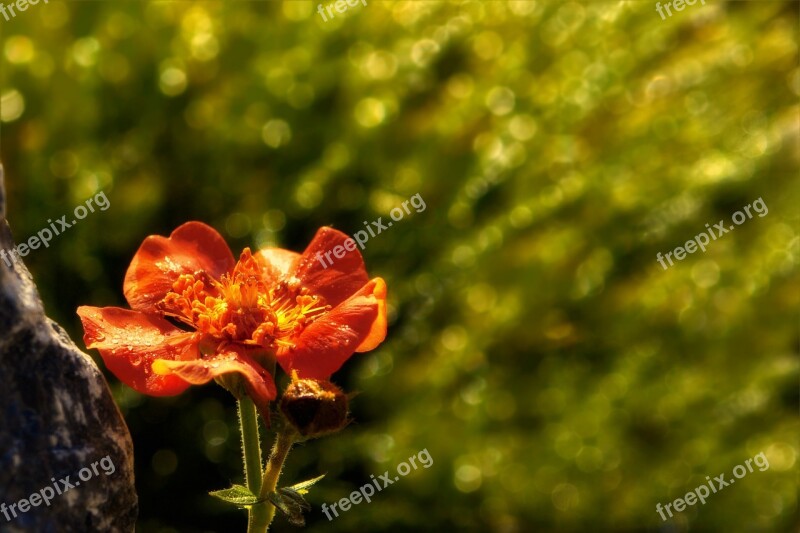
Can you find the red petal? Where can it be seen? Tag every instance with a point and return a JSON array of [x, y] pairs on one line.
[[359, 323], [277, 263], [161, 260], [333, 278], [130, 341], [377, 332], [259, 382]]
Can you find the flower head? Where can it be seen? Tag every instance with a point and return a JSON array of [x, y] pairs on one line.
[[197, 314]]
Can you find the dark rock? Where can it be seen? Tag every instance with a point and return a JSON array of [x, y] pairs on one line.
[[57, 417]]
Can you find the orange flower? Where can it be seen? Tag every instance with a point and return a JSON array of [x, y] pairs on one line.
[[198, 314]]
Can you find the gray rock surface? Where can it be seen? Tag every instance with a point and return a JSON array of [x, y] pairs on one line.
[[57, 417]]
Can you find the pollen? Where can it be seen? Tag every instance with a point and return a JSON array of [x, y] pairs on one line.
[[243, 306]]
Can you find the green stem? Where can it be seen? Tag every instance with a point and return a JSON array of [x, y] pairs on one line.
[[251, 450], [283, 443]]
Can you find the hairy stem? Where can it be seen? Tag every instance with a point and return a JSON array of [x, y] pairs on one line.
[[251, 450], [283, 443]]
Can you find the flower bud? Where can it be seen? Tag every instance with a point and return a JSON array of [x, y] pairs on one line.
[[314, 407]]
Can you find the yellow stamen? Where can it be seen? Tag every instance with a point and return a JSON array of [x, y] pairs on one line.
[[241, 307]]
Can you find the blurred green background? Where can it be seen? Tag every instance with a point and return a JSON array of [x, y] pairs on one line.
[[560, 379]]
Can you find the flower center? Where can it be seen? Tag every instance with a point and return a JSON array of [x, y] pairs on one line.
[[242, 307]]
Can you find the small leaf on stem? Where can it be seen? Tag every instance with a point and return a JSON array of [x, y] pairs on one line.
[[302, 487], [289, 507], [238, 495]]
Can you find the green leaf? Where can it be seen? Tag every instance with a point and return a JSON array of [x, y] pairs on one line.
[[290, 502], [302, 487], [289, 508], [238, 495], [295, 497]]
